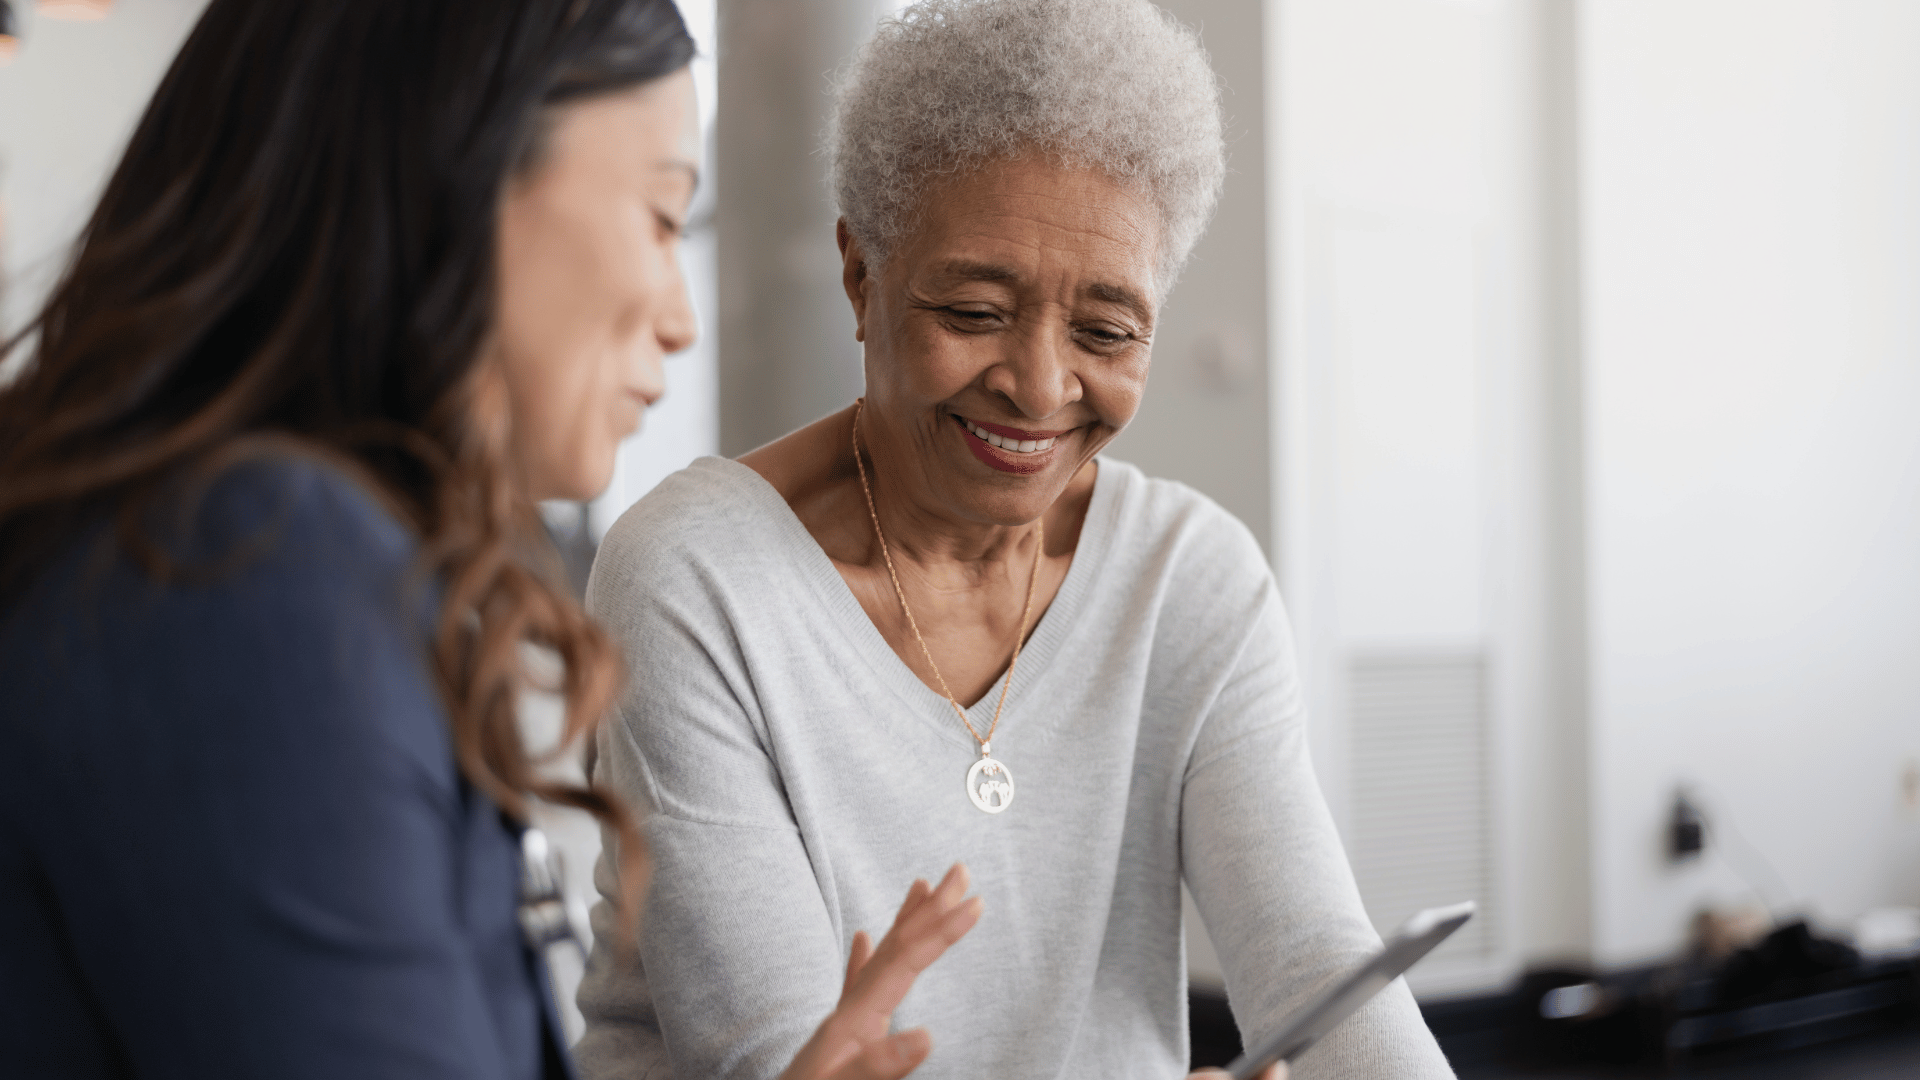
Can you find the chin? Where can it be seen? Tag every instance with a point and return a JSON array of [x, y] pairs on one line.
[[582, 484], [998, 505], [594, 487]]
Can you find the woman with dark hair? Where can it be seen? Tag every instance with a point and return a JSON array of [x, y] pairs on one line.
[[372, 277]]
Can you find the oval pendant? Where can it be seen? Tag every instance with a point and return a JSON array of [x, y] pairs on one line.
[[990, 785]]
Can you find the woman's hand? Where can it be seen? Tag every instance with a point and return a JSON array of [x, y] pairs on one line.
[[853, 1044]]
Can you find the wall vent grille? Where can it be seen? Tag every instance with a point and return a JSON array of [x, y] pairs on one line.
[[1420, 831]]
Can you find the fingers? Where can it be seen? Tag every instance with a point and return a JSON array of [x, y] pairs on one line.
[[856, 959], [884, 982], [887, 1059], [855, 1036], [917, 933], [940, 917], [916, 895], [921, 935]]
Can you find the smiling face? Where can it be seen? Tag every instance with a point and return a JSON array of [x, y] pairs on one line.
[[1007, 339], [591, 297]]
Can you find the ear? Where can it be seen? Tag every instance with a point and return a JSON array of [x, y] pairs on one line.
[[853, 276]]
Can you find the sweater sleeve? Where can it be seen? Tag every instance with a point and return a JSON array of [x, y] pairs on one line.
[[263, 859], [739, 958], [1267, 870]]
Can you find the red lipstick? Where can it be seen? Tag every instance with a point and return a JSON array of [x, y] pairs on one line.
[[1009, 461], [1016, 433]]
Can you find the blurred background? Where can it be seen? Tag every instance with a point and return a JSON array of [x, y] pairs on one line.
[[1563, 354]]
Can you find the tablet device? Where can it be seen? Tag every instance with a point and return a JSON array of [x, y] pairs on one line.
[[1415, 939]]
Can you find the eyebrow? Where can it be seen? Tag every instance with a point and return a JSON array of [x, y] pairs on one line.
[[1125, 297], [971, 270]]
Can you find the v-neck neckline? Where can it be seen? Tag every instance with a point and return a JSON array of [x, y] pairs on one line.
[[925, 703]]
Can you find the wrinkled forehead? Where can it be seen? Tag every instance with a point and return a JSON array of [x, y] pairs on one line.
[[1034, 224]]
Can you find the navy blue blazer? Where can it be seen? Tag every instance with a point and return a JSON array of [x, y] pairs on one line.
[[233, 838]]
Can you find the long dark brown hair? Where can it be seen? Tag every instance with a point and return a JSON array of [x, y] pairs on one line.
[[298, 248]]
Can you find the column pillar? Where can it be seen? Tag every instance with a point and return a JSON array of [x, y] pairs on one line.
[[785, 330]]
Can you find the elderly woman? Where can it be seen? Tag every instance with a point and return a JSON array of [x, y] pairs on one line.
[[938, 624]]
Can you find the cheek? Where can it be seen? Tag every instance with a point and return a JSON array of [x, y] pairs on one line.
[[925, 361], [572, 312], [586, 411], [568, 426], [574, 277], [1115, 387]]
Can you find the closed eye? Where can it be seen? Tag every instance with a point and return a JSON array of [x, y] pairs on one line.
[[1103, 338], [972, 319]]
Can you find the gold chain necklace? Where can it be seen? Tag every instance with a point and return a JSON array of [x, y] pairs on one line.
[[989, 784]]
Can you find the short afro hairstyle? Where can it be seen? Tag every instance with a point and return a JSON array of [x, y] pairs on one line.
[[949, 85]]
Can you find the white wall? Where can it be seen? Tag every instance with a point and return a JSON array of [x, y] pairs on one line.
[[787, 355], [1204, 420], [1752, 236], [68, 101], [1411, 430], [1598, 357]]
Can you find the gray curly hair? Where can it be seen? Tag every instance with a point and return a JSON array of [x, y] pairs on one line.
[[949, 85]]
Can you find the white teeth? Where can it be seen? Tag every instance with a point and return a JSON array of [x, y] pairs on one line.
[[1016, 446]]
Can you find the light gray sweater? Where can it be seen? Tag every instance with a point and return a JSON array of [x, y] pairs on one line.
[[798, 776]]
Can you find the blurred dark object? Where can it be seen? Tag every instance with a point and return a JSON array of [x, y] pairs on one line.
[[1687, 832], [1787, 963], [1718, 933], [1790, 989], [1215, 1037]]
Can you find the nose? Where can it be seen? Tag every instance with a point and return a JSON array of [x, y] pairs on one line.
[[675, 327], [1037, 376]]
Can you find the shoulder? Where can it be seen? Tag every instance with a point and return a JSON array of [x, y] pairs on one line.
[[285, 543], [289, 512], [252, 530], [287, 539], [270, 566], [1186, 535], [292, 620], [1215, 605], [707, 523]]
